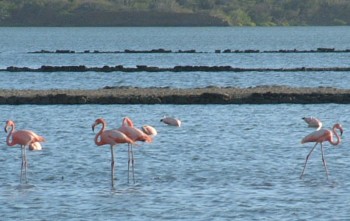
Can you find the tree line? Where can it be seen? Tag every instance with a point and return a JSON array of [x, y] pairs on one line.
[[232, 12]]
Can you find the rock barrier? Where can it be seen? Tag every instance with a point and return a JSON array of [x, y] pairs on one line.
[[162, 50], [185, 68], [208, 95]]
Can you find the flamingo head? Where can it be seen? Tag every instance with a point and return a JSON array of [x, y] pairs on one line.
[[9, 123], [339, 127], [127, 122], [97, 122], [149, 130]]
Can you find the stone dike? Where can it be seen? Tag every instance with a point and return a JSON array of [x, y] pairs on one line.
[[208, 95], [185, 68], [193, 51]]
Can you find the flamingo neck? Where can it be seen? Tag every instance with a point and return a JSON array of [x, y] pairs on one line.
[[10, 142], [338, 138], [97, 139], [128, 122]]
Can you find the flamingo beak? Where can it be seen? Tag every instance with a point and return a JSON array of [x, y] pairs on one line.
[[5, 129], [93, 128]]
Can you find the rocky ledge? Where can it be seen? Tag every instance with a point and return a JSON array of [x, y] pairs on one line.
[[208, 95]]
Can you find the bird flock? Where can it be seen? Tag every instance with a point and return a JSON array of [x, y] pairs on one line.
[[128, 134], [125, 134]]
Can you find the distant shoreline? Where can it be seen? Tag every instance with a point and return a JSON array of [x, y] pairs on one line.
[[114, 19], [208, 95]]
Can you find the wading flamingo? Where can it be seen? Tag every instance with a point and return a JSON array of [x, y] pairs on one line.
[[135, 135], [23, 138], [319, 137], [171, 121], [110, 137], [313, 122]]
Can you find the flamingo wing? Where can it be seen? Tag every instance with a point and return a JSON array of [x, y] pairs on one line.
[[115, 136], [135, 134]]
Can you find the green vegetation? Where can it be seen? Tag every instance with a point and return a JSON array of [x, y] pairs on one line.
[[228, 12]]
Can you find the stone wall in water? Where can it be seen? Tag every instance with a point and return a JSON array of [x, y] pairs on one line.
[[208, 95]]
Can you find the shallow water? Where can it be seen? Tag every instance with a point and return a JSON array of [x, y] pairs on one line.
[[225, 162]]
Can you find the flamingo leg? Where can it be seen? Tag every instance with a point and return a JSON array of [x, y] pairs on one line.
[[324, 161], [131, 161], [307, 158], [133, 164], [112, 166], [22, 165], [25, 164], [128, 161]]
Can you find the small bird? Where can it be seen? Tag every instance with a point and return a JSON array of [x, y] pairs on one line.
[[23, 138], [319, 137], [171, 121], [111, 137], [313, 122], [134, 134]]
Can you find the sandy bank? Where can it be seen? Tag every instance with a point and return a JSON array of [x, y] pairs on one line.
[[208, 95]]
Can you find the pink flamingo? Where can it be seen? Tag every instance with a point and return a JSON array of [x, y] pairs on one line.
[[149, 130], [319, 137], [23, 138], [111, 137], [171, 121], [313, 122], [135, 135]]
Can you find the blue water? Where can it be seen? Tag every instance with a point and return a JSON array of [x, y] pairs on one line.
[[226, 162]]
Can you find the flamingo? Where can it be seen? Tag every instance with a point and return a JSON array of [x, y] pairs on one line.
[[134, 134], [111, 137], [23, 138], [35, 146], [319, 137], [171, 121], [149, 130], [313, 122]]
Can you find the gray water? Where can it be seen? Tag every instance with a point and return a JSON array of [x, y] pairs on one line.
[[226, 162]]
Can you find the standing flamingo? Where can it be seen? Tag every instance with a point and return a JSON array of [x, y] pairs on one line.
[[23, 138], [313, 122], [171, 121], [319, 137], [135, 135], [111, 137]]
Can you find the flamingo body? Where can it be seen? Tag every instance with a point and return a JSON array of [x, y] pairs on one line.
[[313, 122], [171, 121], [23, 138], [319, 137]]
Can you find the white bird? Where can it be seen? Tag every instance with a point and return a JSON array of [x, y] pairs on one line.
[[171, 121], [313, 122]]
